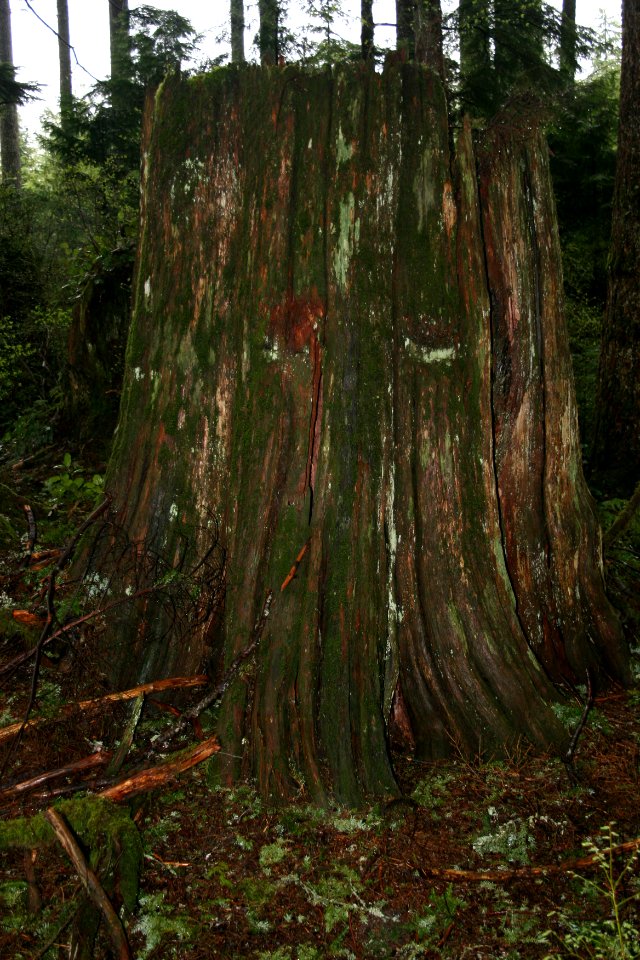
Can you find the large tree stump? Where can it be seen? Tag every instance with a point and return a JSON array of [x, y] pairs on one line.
[[348, 336]]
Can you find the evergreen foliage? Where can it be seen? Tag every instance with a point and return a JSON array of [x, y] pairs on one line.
[[508, 47], [582, 140], [12, 90], [75, 218]]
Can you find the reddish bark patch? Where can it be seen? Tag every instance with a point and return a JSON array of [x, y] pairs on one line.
[[296, 320]]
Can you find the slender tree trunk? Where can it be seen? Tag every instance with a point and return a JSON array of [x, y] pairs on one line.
[[568, 61], [428, 30], [367, 29], [64, 54], [237, 31], [352, 350], [616, 457], [9, 125], [405, 35], [119, 44], [269, 34]]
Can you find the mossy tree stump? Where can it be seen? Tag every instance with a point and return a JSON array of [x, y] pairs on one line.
[[350, 336]]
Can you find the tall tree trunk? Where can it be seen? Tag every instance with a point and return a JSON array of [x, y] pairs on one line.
[[64, 55], [616, 458], [367, 29], [269, 34], [237, 31], [356, 359], [568, 61], [119, 43], [405, 36], [9, 125], [428, 30]]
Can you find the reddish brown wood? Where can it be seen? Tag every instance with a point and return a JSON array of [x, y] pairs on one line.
[[154, 777]]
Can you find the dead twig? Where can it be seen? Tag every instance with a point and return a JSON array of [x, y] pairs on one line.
[[52, 940], [24, 786], [571, 750], [63, 559], [154, 686], [91, 884], [189, 716], [624, 519], [68, 627], [516, 873], [294, 569], [32, 536]]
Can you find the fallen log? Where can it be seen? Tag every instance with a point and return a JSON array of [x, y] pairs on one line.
[[153, 777]]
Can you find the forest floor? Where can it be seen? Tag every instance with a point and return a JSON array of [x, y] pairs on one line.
[[479, 859]]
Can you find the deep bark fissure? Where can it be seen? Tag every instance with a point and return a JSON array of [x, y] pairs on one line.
[[325, 220], [316, 415], [535, 247], [492, 408]]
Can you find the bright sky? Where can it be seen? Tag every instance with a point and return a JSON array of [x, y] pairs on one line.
[[35, 48]]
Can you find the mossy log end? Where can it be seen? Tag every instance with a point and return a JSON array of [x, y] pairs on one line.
[[349, 335], [105, 829]]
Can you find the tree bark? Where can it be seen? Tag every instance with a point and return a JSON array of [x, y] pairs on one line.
[[324, 352], [616, 456], [9, 125], [120, 53], [428, 30], [568, 60], [237, 31], [64, 55], [269, 39], [405, 36], [367, 29]]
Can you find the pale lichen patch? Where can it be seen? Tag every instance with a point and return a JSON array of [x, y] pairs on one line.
[[348, 238], [344, 149], [425, 355], [423, 190]]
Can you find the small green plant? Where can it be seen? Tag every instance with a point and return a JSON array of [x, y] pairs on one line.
[[569, 715], [155, 922], [272, 853], [511, 839], [614, 937], [431, 792], [444, 906], [70, 484]]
